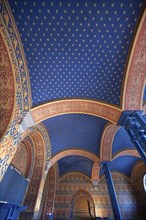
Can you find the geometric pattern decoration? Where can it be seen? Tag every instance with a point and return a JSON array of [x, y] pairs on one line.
[[21, 159], [76, 49], [75, 131], [75, 164], [137, 175]]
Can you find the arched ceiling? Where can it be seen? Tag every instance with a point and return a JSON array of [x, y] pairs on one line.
[[75, 164], [75, 131], [123, 164], [76, 48], [121, 141], [79, 50]]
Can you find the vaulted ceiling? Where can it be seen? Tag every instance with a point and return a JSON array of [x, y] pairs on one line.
[[79, 50]]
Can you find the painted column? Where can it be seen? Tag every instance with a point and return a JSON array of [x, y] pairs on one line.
[[111, 190], [135, 125]]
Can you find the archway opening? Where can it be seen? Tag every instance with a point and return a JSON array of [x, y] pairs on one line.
[[81, 208]]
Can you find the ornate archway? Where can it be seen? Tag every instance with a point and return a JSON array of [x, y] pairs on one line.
[[82, 194]]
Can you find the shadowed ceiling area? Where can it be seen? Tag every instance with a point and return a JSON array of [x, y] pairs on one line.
[[80, 50], [75, 164], [76, 48]]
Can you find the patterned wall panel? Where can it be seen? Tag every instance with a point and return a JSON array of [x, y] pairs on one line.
[[21, 159], [7, 88], [73, 182], [137, 180], [89, 203]]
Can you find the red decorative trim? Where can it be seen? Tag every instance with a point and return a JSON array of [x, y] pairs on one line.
[[77, 153], [129, 152], [95, 172], [29, 159], [136, 71], [79, 106], [106, 142], [51, 190], [34, 185]]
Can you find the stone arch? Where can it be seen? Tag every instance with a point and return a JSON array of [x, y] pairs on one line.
[[35, 182], [47, 202], [77, 106], [106, 142], [46, 139], [88, 197], [129, 152], [74, 152]]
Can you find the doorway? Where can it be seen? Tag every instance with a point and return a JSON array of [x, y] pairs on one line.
[[81, 209]]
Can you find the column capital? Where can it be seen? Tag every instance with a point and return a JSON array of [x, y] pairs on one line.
[[26, 123]]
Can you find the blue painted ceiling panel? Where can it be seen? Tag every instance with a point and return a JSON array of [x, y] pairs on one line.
[[121, 141], [76, 48], [123, 164], [76, 164], [76, 131], [144, 97]]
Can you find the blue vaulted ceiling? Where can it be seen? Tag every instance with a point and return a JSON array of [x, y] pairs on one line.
[[75, 131], [123, 164], [76, 48], [121, 141], [75, 164]]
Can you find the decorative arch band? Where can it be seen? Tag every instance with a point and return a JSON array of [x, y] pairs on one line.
[[77, 106], [74, 152]]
